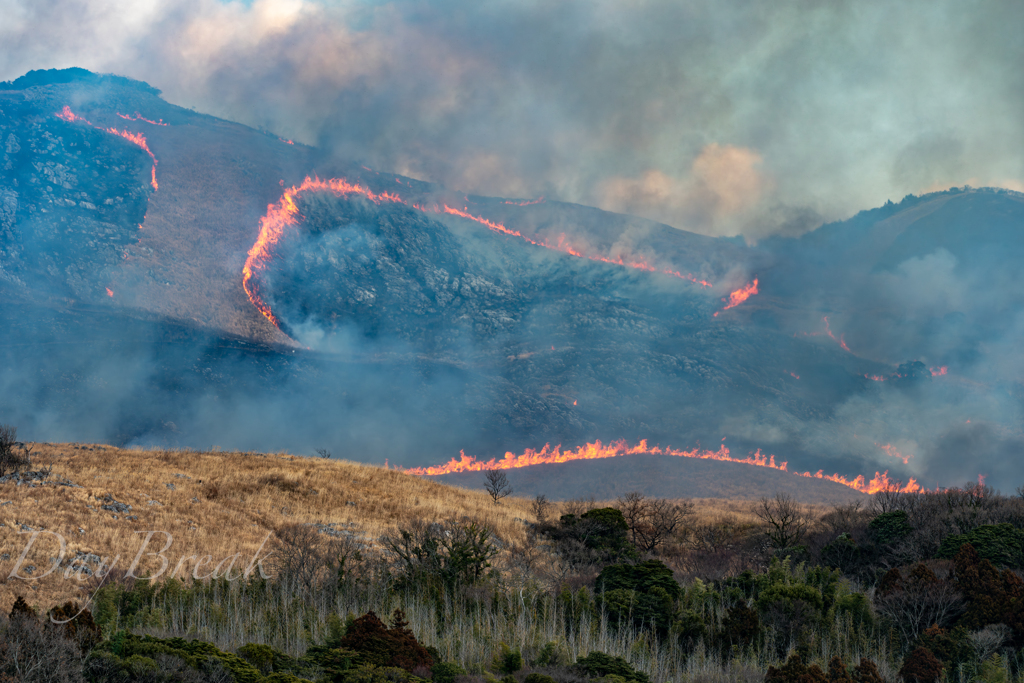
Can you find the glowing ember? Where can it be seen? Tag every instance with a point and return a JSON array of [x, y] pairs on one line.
[[285, 213], [598, 451], [739, 296], [110, 292], [136, 138], [876, 378], [939, 372], [795, 375]]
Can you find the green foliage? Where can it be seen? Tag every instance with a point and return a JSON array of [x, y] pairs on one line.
[[642, 593], [740, 626], [538, 678], [1000, 544], [445, 672], [442, 555], [598, 664], [507, 660], [131, 652], [260, 656], [369, 673], [889, 527], [992, 670], [552, 654]]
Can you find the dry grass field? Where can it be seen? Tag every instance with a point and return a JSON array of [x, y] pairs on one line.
[[221, 504]]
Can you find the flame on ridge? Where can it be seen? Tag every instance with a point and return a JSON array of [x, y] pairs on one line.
[[598, 450], [136, 138], [739, 296], [285, 214]]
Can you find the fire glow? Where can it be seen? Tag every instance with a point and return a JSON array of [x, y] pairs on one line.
[[136, 138], [598, 450], [285, 214], [739, 296]]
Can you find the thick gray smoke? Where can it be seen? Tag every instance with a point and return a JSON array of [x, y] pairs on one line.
[[720, 118]]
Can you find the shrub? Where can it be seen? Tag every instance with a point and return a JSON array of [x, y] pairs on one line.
[[538, 678], [1000, 544], [260, 656], [795, 671], [921, 666], [445, 672], [598, 664], [381, 646], [889, 527], [643, 592], [507, 660]]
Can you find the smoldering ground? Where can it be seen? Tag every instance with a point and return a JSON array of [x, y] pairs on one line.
[[720, 118]]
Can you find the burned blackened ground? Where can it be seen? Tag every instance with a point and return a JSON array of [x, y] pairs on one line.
[[71, 199]]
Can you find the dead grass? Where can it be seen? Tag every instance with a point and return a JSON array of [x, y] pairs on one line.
[[220, 504]]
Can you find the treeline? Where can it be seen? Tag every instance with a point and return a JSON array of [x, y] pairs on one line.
[[911, 587]]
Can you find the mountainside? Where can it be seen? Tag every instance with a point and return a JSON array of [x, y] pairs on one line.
[[414, 321]]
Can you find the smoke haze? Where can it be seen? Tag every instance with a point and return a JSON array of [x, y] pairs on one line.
[[718, 118]]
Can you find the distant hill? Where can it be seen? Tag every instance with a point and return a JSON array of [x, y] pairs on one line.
[[660, 476]]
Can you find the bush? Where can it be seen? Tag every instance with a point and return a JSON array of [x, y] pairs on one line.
[[378, 645], [598, 664], [507, 660], [921, 666], [445, 672], [1000, 544], [642, 592], [538, 678], [889, 527]]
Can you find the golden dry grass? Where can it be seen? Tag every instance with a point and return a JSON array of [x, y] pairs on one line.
[[223, 503]]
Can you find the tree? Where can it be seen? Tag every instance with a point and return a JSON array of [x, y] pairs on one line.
[[913, 603], [541, 506], [496, 484], [450, 553], [10, 459], [921, 666], [652, 520], [783, 518], [382, 646]]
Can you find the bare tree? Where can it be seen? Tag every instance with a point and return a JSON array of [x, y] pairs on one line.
[[323, 453], [10, 459], [784, 520], [496, 484], [541, 507], [652, 521], [918, 605], [312, 556]]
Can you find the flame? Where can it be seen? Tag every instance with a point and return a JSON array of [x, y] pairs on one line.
[[891, 451], [876, 378], [598, 450], [795, 375], [285, 213], [525, 203], [289, 142], [110, 292], [739, 296], [139, 117], [67, 115], [939, 372], [136, 138]]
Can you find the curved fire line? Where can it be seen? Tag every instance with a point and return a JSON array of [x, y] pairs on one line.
[[284, 214]]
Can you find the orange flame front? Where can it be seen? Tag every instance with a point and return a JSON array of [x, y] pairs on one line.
[[285, 214], [739, 296], [136, 138], [599, 450]]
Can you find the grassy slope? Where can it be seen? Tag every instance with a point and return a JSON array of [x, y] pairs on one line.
[[223, 503]]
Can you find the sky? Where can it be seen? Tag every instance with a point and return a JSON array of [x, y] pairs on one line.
[[721, 118]]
